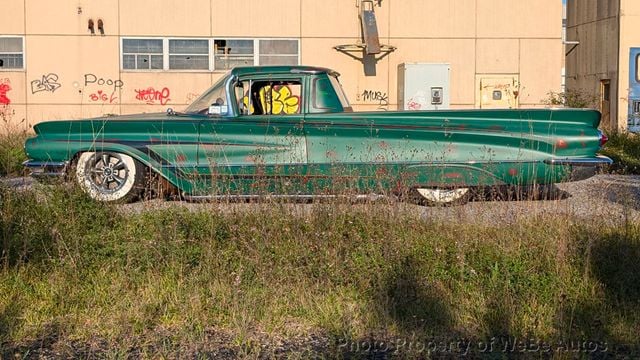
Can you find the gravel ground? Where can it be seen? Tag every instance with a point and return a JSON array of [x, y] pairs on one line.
[[613, 198]]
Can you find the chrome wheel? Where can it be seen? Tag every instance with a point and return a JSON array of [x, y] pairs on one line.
[[107, 172]]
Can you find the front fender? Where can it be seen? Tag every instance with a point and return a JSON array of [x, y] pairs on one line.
[[44, 151]]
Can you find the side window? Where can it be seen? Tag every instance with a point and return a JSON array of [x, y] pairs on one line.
[[324, 96], [272, 97]]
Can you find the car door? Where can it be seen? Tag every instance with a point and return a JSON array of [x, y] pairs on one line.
[[262, 150]]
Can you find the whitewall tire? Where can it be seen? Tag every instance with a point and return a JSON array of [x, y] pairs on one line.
[[443, 196], [109, 176]]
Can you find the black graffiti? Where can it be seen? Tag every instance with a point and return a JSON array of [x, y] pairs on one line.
[[370, 95], [48, 83], [93, 79]]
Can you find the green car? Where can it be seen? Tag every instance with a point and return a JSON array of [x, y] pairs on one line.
[[290, 131]]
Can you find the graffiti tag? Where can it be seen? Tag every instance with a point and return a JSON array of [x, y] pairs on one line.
[[48, 83], [100, 96], [192, 96], [90, 79], [152, 96], [413, 105], [281, 100], [5, 86], [370, 95]]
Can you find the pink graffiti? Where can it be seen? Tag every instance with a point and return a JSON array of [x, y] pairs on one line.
[[100, 96], [412, 105], [151, 95], [5, 86]]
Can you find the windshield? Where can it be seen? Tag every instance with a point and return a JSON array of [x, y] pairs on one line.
[[216, 95]]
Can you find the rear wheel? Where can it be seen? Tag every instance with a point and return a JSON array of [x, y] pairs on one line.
[[110, 176], [441, 197]]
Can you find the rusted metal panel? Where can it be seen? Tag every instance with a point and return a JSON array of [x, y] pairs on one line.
[[369, 28]]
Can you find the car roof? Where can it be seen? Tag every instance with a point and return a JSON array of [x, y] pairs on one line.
[[282, 69]]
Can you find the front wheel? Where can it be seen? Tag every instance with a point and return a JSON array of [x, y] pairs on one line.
[[442, 197], [110, 176]]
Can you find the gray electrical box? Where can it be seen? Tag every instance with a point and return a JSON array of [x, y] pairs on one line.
[[423, 86]]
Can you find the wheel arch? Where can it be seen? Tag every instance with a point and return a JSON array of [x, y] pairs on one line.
[[452, 175], [146, 160]]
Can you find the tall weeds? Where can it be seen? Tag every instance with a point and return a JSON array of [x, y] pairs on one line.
[[78, 271]]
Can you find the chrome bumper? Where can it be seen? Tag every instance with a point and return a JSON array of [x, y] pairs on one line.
[[581, 168], [46, 170]]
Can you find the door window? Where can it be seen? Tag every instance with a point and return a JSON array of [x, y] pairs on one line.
[[270, 97]]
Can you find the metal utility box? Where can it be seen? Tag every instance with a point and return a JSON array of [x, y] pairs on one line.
[[423, 86]]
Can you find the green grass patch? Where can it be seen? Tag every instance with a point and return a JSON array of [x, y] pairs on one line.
[[12, 153], [624, 149], [80, 275]]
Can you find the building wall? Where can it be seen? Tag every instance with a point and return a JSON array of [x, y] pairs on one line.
[[629, 38], [477, 37], [594, 24]]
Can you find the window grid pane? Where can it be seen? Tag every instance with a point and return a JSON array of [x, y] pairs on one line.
[[226, 62], [278, 60], [142, 61], [157, 62], [188, 47], [128, 61], [188, 62], [11, 61], [233, 47], [10, 45], [133, 46], [279, 47]]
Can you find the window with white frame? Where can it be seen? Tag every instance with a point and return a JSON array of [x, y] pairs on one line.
[[278, 52], [142, 54], [229, 53], [11, 53], [195, 54], [188, 54]]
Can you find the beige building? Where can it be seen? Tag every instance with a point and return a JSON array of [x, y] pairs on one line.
[[603, 48], [72, 59]]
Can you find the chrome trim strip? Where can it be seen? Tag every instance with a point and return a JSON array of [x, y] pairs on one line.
[[46, 169], [371, 197], [42, 164], [47, 174], [595, 161]]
